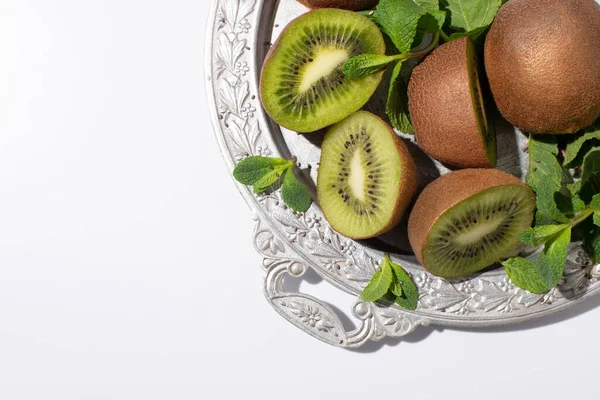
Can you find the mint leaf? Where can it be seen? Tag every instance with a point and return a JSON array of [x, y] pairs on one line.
[[576, 142], [545, 176], [396, 107], [543, 163], [409, 298], [294, 193], [541, 234], [266, 181], [251, 169], [526, 275], [399, 19], [591, 164], [552, 260], [396, 287], [547, 209], [366, 64], [595, 203], [545, 273], [379, 284], [596, 218], [469, 15]]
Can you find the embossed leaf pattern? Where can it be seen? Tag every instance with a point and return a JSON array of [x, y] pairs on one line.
[[348, 261]]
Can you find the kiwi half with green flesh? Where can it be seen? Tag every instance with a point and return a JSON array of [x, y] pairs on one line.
[[366, 177], [448, 110], [542, 59], [302, 85], [469, 219], [355, 5]]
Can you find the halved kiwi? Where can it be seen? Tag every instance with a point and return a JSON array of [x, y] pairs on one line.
[[366, 177], [448, 109], [469, 219], [302, 85], [355, 5]]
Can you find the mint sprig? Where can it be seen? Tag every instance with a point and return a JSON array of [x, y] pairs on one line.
[[391, 281], [404, 24], [263, 172]]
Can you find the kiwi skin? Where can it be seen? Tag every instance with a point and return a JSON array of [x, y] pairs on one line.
[[542, 58], [406, 188], [443, 111], [447, 191], [354, 5]]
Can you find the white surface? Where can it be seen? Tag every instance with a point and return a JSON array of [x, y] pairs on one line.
[[115, 281]]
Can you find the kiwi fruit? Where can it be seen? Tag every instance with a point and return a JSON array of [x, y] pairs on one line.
[[447, 107], [355, 5], [302, 85], [469, 219], [366, 178], [542, 59]]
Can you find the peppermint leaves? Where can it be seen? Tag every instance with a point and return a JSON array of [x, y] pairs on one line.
[[564, 208], [263, 172], [393, 283]]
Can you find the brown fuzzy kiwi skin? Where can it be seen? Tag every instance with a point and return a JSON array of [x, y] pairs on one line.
[[406, 189], [354, 5], [542, 59], [447, 191], [442, 110]]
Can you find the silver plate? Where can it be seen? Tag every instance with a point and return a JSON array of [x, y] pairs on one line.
[[238, 37]]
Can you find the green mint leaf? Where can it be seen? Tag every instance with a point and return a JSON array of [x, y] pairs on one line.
[[469, 15], [251, 169], [409, 298], [552, 260], [396, 287], [379, 284], [365, 64], [295, 194], [545, 273], [397, 103], [547, 209], [431, 22], [526, 275], [596, 218], [591, 164], [545, 176], [595, 203], [261, 185], [575, 144], [399, 19], [568, 202], [543, 163], [541, 234]]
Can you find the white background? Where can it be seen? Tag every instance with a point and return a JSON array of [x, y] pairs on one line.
[[126, 264]]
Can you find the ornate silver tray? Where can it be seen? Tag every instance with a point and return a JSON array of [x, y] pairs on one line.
[[238, 36]]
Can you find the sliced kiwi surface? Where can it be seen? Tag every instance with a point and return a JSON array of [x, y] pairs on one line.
[[469, 219], [302, 84], [366, 176]]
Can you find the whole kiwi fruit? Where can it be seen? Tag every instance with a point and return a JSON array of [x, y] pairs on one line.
[[448, 110], [542, 59], [355, 5], [469, 219]]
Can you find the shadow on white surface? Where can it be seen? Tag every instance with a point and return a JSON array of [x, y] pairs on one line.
[[311, 283]]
